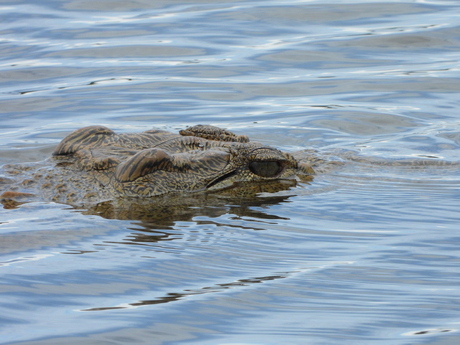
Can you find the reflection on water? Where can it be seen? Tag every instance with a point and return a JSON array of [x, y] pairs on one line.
[[163, 211], [173, 297], [365, 253]]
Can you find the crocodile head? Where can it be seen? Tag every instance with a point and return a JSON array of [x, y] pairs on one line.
[[156, 162], [95, 164], [213, 166]]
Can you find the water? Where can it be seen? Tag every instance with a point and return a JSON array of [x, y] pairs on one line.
[[367, 254]]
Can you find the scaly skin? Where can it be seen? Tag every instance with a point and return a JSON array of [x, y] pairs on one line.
[[94, 164]]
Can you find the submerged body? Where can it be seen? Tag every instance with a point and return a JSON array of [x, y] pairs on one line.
[[94, 164]]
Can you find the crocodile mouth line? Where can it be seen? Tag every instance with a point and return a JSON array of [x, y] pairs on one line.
[[221, 178]]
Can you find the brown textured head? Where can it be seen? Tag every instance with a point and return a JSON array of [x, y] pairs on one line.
[[96, 164], [215, 166]]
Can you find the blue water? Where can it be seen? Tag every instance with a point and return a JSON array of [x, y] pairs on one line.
[[365, 254]]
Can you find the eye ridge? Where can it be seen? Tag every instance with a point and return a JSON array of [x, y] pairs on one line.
[[266, 168]]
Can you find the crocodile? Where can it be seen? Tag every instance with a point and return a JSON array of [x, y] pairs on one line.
[[94, 164]]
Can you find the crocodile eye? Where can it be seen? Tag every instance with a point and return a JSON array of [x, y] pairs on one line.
[[266, 168]]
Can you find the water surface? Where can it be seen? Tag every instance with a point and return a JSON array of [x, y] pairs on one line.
[[364, 254]]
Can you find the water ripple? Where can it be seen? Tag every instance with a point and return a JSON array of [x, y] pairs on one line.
[[364, 253]]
